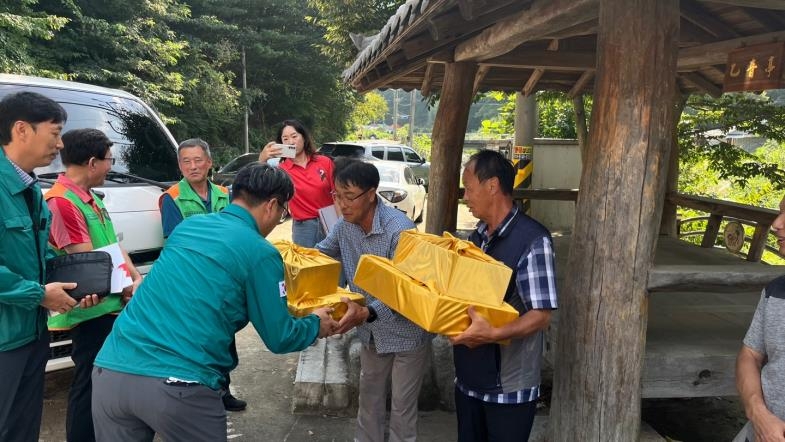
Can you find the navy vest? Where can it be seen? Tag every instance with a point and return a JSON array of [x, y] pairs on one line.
[[494, 368]]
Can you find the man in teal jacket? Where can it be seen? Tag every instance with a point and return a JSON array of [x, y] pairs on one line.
[[30, 126], [196, 195], [162, 368]]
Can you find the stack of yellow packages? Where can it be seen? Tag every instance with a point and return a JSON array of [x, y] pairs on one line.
[[432, 280], [311, 279]]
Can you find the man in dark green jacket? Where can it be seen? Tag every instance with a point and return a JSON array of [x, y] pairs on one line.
[[30, 126]]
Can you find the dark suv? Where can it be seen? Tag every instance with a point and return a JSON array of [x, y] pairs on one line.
[[381, 150]]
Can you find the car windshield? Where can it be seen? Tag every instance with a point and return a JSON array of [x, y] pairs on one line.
[[238, 163], [345, 150], [141, 146], [388, 174]]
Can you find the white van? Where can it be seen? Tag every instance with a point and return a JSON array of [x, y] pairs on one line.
[[146, 164]]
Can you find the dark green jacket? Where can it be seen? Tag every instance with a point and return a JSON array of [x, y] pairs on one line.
[[22, 265]]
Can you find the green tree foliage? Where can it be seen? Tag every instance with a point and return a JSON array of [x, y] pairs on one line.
[[503, 124], [555, 115], [339, 19], [126, 44], [705, 123], [370, 109], [21, 27]]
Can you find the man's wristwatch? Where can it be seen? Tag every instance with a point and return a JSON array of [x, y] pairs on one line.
[[371, 314]]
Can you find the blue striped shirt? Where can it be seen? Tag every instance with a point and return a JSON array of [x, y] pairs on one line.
[[391, 331]]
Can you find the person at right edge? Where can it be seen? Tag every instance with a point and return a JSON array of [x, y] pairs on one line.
[[497, 386], [760, 365]]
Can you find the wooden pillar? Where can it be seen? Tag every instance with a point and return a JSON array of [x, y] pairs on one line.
[[603, 306], [525, 119], [449, 129], [580, 125], [668, 224]]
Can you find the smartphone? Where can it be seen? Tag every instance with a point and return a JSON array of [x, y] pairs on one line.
[[287, 150]]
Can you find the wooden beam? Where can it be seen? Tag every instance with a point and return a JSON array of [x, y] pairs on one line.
[[711, 278], [481, 72], [760, 4], [544, 17], [528, 88], [717, 53], [758, 243], [580, 85], [449, 129], [445, 28], [712, 230], [427, 80], [604, 303], [702, 83], [697, 14], [585, 28], [532, 59], [770, 20], [470, 9]]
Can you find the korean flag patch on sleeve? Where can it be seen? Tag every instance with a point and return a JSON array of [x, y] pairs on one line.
[[282, 288]]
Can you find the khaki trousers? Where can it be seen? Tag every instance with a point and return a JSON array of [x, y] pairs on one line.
[[405, 370]]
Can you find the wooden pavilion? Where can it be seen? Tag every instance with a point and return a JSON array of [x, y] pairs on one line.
[[639, 58]]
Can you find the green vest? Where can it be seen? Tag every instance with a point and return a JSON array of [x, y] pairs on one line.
[[189, 203], [102, 233]]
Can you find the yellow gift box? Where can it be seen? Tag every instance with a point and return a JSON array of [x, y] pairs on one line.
[[452, 266], [309, 274], [421, 304], [306, 306]]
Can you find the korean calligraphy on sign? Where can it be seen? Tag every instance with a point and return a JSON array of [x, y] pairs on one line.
[[755, 68]]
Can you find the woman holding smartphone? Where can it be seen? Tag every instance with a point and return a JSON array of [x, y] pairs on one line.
[[312, 174]]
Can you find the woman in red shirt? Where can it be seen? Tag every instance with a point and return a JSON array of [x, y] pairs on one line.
[[312, 174]]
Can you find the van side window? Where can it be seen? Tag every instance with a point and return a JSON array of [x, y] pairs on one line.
[[378, 152], [394, 153], [411, 156]]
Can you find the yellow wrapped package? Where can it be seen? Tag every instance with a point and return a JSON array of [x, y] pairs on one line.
[[307, 306], [434, 312], [308, 273], [452, 266]]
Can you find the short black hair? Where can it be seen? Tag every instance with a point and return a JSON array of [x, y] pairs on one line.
[[258, 182], [353, 172], [488, 164], [30, 107], [79, 145], [195, 142]]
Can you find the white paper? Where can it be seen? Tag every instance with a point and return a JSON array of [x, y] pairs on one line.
[[328, 217], [121, 276]]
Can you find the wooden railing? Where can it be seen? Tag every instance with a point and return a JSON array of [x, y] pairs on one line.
[[717, 210]]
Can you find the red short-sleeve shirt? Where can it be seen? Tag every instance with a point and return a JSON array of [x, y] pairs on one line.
[[68, 224], [313, 186]]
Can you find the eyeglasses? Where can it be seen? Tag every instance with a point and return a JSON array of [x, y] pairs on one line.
[[348, 199], [110, 159], [285, 210]]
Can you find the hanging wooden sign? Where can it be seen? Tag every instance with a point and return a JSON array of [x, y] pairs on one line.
[[755, 68]]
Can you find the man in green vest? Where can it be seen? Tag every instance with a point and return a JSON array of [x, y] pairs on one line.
[[80, 223], [196, 195]]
